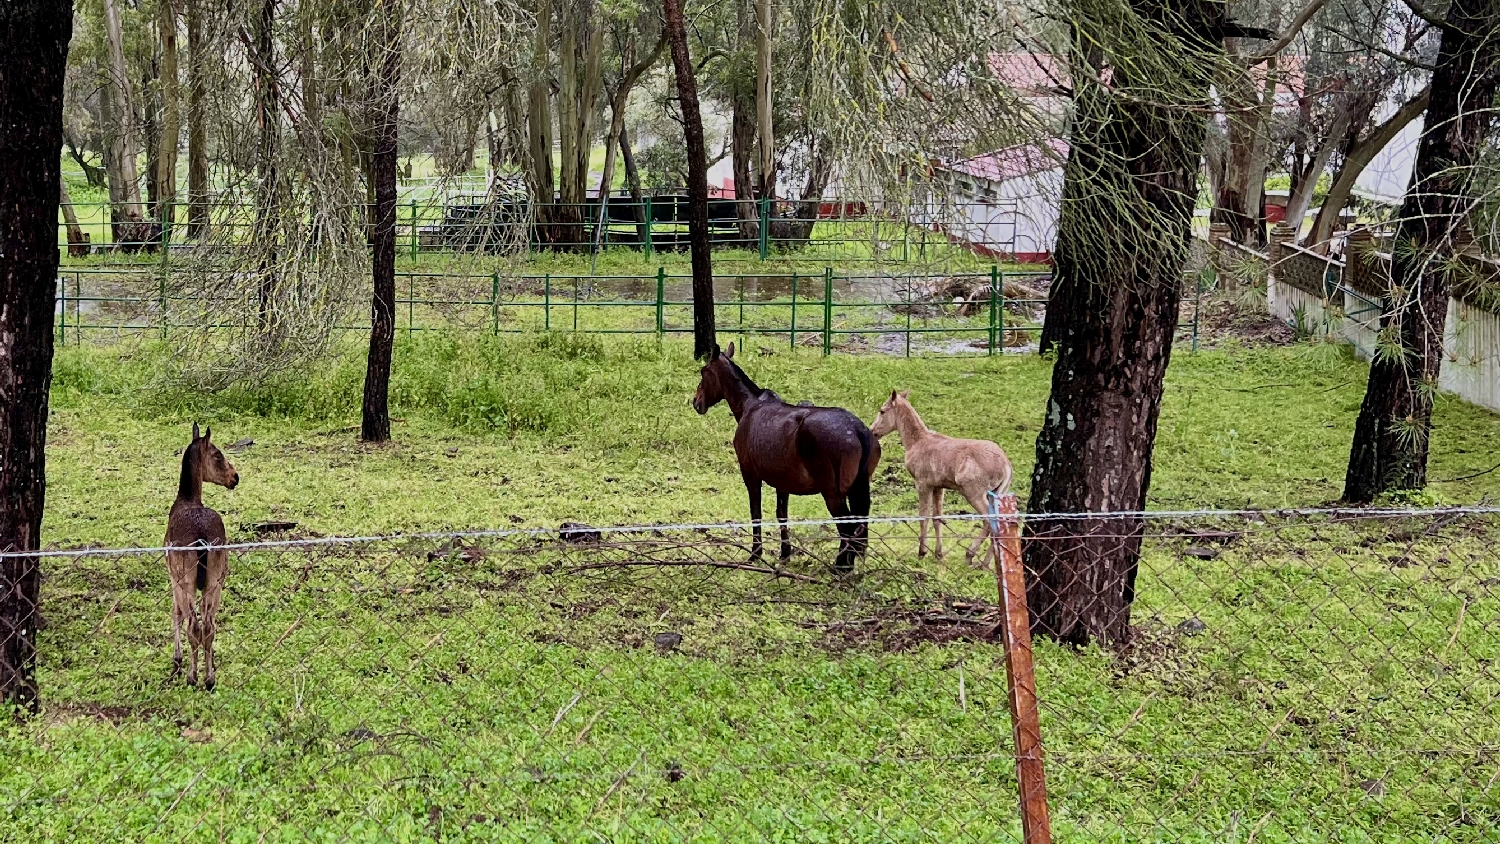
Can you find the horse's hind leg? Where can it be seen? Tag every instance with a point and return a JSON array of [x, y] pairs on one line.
[[182, 607], [752, 487], [844, 562], [213, 597], [786, 533], [981, 506]]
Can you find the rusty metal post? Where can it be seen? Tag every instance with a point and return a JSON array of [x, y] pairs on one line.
[[1025, 715]]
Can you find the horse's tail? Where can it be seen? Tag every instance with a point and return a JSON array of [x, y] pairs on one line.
[[202, 566], [1004, 486], [859, 489]]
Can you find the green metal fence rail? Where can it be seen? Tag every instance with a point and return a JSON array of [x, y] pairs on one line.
[[850, 228], [828, 310]]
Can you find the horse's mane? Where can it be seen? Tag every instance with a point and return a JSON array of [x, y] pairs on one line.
[[744, 379]]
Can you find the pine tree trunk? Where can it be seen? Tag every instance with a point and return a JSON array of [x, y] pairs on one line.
[[198, 198], [376, 423], [33, 60], [1394, 429], [704, 337], [1129, 188]]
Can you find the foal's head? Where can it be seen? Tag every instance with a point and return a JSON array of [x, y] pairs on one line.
[[714, 379], [209, 462], [885, 421]]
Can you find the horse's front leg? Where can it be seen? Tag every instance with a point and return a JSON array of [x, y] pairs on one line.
[[786, 533], [752, 486]]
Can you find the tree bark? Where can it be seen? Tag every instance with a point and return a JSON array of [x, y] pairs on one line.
[[539, 127], [763, 99], [704, 337], [34, 38], [375, 424], [78, 242], [267, 173], [197, 130], [171, 115], [1357, 156], [1305, 182], [798, 230], [577, 110], [1393, 432], [127, 211], [1129, 188], [631, 74], [633, 183], [742, 131]]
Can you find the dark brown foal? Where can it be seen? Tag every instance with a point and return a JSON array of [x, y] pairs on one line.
[[194, 562]]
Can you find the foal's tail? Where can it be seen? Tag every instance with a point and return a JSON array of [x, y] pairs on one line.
[[1004, 486], [202, 565]]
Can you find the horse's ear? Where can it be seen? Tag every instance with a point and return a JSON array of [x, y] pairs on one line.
[[730, 354], [893, 395], [208, 433], [713, 353], [905, 393], [195, 431]]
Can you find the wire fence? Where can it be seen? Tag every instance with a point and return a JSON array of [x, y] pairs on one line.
[[973, 313], [845, 228], [1289, 676]]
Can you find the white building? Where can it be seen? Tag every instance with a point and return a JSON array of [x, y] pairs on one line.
[[1003, 203]]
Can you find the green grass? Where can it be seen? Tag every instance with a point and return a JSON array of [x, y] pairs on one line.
[[379, 695]]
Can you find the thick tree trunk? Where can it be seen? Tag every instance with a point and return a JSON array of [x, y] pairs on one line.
[[171, 114], [577, 110], [197, 129], [127, 211], [763, 99], [704, 337], [33, 60], [1357, 156], [1393, 432], [1240, 200], [798, 230], [375, 424], [539, 127], [1129, 189]]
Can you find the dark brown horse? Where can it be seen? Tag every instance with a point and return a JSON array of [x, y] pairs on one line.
[[798, 450], [195, 563]]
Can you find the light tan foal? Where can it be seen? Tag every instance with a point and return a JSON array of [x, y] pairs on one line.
[[939, 463]]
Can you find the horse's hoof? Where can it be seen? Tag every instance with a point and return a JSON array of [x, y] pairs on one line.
[[208, 685], [192, 680]]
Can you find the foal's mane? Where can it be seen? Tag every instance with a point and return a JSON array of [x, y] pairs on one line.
[[743, 378], [190, 458]]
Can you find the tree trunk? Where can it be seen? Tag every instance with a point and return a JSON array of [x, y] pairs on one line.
[[697, 183], [633, 182], [539, 127], [1393, 432], [631, 73], [171, 115], [577, 106], [742, 134], [1357, 156], [197, 130], [93, 175], [1128, 196], [376, 422], [1306, 181], [268, 124], [33, 60], [131, 230], [78, 242], [798, 230], [1240, 198], [763, 100]]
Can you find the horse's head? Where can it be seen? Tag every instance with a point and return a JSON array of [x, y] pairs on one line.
[[713, 379], [885, 420], [213, 466]]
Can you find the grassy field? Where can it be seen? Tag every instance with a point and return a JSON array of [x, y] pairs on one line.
[[404, 691]]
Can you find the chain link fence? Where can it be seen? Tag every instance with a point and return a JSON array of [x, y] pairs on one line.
[[1289, 676]]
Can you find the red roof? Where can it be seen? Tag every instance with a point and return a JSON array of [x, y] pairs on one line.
[[1014, 162], [1036, 74]]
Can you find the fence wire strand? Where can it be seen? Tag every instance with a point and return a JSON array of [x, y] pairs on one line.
[[1289, 675]]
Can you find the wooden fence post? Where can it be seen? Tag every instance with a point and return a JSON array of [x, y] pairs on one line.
[[1025, 716]]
